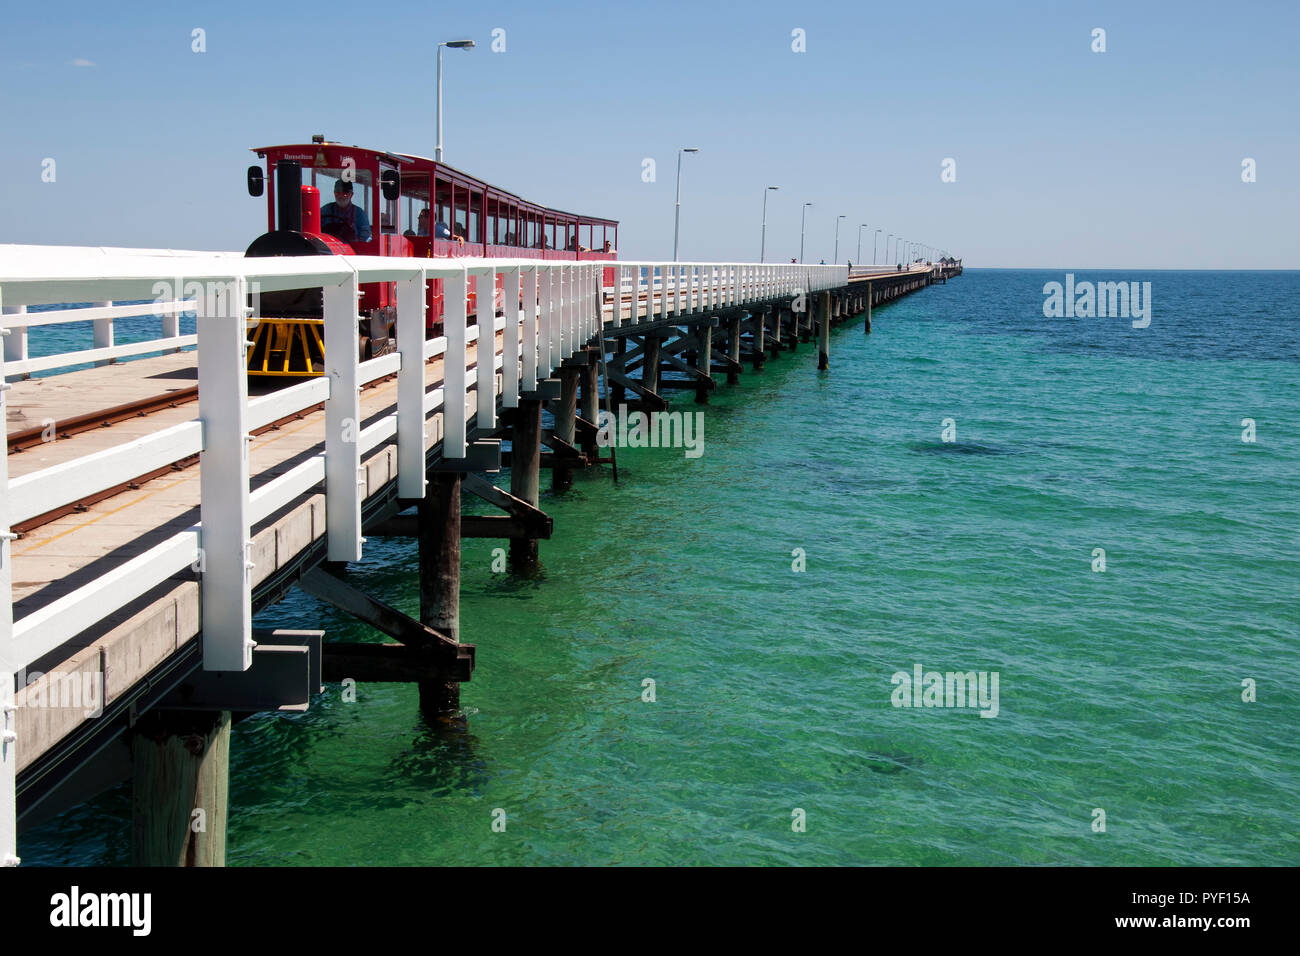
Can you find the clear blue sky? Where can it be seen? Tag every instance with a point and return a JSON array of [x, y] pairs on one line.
[[1065, 158]]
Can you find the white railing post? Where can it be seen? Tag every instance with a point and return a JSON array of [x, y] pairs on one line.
[[678, 271], [454, 363], [620, 273], [583, 314], [344, 479], [225, 545], [570, 309], [103, 334], [8, 656], [554, 320], [410, 387], [530, 355], [545, 321], [649, 292], [557, 315], [485, 310], [511, 291], [171, 320], [636, 294], [15, 336], [592, 301], [582, 305]]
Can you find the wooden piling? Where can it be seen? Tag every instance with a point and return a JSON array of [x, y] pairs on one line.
[[733, 349], [704, 362], [565, 411], [439, 545], [590, 403], [867, 328], [824, 331], [180, 788], [760, 329], [617, 393], [525, 476], [650, 366]]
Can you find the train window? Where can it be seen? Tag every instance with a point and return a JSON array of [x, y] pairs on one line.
[[460, 197], [325, 178], [442, 204], [490, 219], [475, 233], [572, 230], [548, 237], [584, 236], [415, 196], [512, 232]]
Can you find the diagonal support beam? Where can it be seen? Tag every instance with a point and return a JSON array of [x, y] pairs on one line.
[[516, 507], [333, 590], [657, 402]]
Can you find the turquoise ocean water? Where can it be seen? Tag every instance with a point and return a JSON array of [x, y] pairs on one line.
[[1118, 690]]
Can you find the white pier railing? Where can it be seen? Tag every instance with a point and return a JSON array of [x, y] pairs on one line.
[[553, 309]]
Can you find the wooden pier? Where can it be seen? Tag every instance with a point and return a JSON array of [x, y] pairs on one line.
[[152, 507]]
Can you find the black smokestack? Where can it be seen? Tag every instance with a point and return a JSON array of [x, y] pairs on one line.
[[288, 195]]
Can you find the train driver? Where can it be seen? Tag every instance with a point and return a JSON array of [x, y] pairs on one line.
[[344, 219]]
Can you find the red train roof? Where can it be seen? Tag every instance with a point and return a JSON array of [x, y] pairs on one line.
[[425, 163]]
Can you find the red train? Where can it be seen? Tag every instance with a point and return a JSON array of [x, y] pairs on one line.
[[328, 199]]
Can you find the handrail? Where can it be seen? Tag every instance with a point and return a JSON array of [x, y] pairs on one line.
[[561, 305]]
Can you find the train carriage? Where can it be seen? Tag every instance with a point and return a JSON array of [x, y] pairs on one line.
[[396, 205]]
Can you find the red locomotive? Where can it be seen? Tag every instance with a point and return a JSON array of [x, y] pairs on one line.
[[389, 204]]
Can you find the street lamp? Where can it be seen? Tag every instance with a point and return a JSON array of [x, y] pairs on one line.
[[874, 240], [888, 237], [837, 238], [455, 45], [803, 225], [677, 219], [860, 228], [762, 249]]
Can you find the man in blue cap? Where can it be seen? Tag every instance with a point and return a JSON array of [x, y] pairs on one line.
[[342, 218]]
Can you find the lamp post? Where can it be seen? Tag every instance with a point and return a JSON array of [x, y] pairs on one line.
[[874, 240], [677, 218], [803, 228], [888, 237], [837, 238], [762, 249], [455, 45], [861, 226]]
